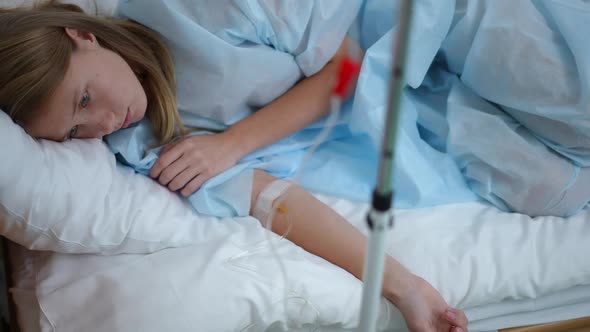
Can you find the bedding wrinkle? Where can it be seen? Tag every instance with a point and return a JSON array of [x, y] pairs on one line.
[[476, 237], [292, 318], [298, 305], [188, 320]]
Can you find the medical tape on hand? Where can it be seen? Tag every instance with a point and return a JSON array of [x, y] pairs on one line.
[[267, 197]]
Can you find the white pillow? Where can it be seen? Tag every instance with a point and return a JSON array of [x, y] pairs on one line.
[[73, 197], [102, 7]]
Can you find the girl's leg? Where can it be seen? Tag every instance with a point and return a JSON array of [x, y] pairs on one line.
[[320, 230]]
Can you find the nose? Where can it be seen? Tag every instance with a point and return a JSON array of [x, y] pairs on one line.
[[106, 125], [102, 123]]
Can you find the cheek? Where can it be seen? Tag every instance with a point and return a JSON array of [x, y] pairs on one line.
[[101, 123], [123, 83], [143, 99], [128, 90], [139, 102], [104, 121]]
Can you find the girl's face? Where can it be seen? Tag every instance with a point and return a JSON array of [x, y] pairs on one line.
[[98, 95]]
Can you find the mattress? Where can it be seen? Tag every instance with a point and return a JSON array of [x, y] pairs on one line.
[[503, 269]]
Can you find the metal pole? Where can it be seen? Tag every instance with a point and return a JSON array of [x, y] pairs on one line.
[[380, 218]]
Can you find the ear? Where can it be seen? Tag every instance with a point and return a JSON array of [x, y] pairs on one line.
[[82, 39]]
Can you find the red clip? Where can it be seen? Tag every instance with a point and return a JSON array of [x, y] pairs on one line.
[[348, 72]]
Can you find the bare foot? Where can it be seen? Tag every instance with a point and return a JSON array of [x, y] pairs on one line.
[[425, 310]]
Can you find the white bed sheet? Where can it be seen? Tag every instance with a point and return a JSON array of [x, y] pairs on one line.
[[531, 311], [504, 269]]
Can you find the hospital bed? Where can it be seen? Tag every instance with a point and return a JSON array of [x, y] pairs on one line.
[[505, 270]]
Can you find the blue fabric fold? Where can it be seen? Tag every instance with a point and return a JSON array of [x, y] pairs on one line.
[[227, 194]]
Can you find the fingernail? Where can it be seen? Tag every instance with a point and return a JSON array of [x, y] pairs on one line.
[[451, 315], [458, 329]]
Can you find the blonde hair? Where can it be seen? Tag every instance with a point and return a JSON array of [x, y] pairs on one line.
[[35, 53]]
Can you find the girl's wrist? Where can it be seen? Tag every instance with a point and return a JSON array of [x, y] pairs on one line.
[[237, 143], [397, 282]]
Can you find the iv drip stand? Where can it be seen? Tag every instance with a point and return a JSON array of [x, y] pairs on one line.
[[380, 218]]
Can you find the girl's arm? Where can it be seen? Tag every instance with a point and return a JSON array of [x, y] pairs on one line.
[[188, 162], [317, 228], [303, 104]]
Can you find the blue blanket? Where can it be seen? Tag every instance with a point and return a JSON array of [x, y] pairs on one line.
[[497, 105]]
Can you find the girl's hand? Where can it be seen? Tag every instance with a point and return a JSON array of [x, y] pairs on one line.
[[190, 161], [425, 310]]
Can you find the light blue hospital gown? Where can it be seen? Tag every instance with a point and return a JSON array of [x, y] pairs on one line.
[[232, 58]]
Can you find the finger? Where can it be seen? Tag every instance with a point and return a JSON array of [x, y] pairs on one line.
[[167, 148], [456, 317], [194, 185], [462, 320], [166, 158], [451, 317], [173, 170], [457, 329], [172, 144], [182, 179]]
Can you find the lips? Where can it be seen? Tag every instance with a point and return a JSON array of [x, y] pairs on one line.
[[127, 120]]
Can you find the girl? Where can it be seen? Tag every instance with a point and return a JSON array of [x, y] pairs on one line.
[[65, 74]]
